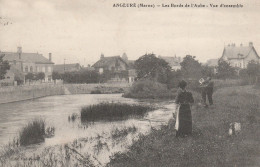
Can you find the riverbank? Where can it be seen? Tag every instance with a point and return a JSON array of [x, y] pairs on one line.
[[27, 92], [211, 144], [19, 93]]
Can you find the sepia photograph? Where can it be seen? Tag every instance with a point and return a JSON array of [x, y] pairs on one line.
[[129, 83]]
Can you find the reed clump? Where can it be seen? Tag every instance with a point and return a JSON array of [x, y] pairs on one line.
[[32, 133], [113, 111]]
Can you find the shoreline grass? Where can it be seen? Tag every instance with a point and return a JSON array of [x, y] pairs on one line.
[[113, 111], [149, 89], [32, 133], [120, 133], [210, 144]]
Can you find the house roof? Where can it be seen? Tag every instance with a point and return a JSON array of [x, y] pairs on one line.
[[105, 61], [131, 64], [26, 57], [212, 62], [68, 67], [237, 52], [173, 61]]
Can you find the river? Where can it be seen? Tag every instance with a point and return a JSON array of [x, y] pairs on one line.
[[55, 110]]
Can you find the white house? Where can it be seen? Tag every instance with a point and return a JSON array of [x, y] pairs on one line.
[[239, 56]]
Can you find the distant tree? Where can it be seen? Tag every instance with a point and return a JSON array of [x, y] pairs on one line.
[[174, 78], [29, 77], [225, 70], [4, 66], [207, 70], [40, 76], [253, 70], [56, 75], [149, 66], [191, 68]]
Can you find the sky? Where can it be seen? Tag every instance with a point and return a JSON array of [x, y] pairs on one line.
[[80, 30]]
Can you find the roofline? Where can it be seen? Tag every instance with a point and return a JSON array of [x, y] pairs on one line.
[[44, 63], [109, 57], [253, 48]]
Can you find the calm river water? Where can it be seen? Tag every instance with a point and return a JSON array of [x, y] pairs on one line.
[[56, 110]]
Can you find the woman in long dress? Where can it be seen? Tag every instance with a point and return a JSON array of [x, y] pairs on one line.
[[183, 102]]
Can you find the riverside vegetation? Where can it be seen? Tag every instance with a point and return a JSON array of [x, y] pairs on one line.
[[210, 144], [113, 111]]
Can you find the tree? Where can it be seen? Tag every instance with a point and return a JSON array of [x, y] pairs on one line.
[[4, 66], [225, 70], [207, 70], [253, 71], [40, 76], [191, 68], [56, 75], [149, 66], [29, 76]]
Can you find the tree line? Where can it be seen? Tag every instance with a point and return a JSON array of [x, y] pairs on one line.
[[149, 66]]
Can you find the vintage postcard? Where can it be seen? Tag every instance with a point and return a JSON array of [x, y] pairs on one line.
[[129, 83]]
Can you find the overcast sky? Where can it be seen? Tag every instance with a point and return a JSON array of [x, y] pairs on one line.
[[80, 30]]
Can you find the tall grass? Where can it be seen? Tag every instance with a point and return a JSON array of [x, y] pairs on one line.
[[120, 133], [149, 89], [210, 144], [32, 133], [113, 111]]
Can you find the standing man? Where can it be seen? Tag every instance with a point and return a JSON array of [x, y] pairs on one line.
[[203, 87], [209, 90]]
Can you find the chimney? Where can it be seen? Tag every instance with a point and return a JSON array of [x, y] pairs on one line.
[[251, 44], [241, 44], [102, 56], [19, 51], [50, 57]]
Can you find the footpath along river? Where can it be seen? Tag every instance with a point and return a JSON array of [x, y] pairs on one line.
[[56, 110]]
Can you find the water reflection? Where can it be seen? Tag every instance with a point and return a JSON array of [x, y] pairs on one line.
[[95, 138]]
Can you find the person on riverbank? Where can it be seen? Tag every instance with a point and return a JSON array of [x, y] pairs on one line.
[[207, 91], [183, 101]]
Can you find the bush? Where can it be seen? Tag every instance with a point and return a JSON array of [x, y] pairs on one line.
[[146, 88], [33, 133], [95, 92], [113, 111]]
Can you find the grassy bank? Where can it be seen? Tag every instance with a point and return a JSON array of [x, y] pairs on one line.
[[113, 111], [149, 89], [102, 88], [210, 145]]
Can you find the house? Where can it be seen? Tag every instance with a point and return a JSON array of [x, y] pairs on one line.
[[29, 63], [88, 68], [114, 63], [239, 56], [12, 77], [116, 66], [174, 62], [61, 68]]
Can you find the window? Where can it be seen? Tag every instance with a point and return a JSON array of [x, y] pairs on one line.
[[43, 69], [31, 69], [26, 68], [49, 69], [101, 70]]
